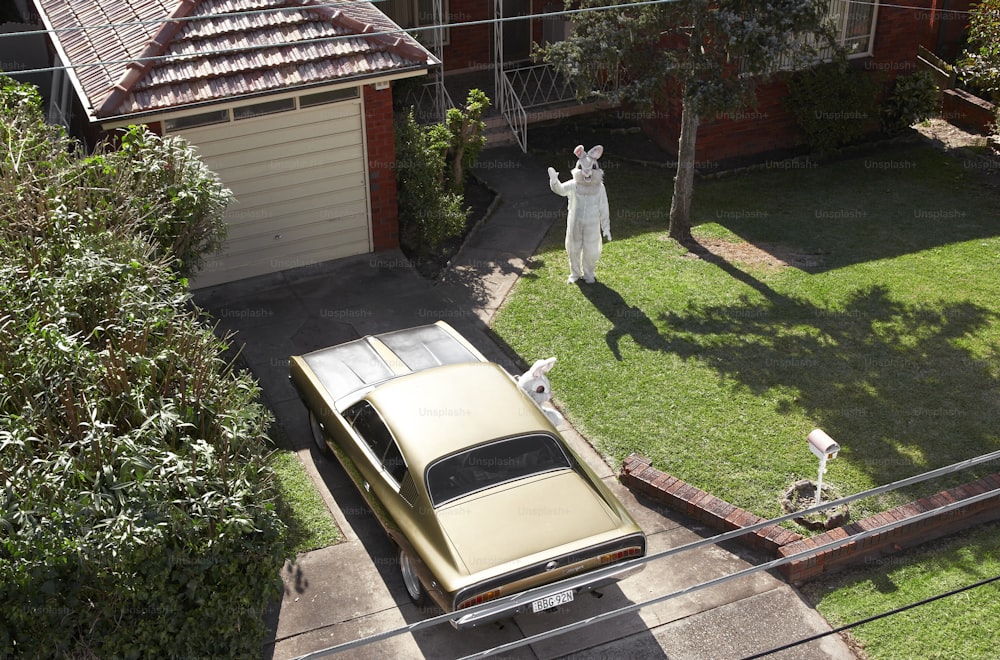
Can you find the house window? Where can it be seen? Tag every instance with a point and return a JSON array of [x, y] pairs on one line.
[[855, 22], [200, 119], [265, 108], [420, 13], [331, 96]]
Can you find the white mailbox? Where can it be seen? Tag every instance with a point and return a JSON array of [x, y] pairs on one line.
[[823, 445]]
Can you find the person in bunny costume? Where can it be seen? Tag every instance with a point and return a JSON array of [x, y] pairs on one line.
[[536, 383], [588, 215]]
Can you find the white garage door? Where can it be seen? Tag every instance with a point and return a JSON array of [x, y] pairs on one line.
[[299, 186]]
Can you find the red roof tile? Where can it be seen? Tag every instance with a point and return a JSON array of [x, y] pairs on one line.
[[140, 56]]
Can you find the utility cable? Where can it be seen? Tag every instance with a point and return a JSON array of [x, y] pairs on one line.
[[874, 617]]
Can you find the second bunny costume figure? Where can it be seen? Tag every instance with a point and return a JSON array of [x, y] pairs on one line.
[[588, 215]]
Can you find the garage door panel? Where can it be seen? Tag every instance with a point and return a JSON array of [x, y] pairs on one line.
[[271, 175], [306, 150], [300, 189], [269, 259], [269, 193], [279, 220], [319, 120], [285, 238]]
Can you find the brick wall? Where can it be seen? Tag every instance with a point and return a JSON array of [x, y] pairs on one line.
[[380, 136], [900, 538], [470, 47], [638, 474], [968, 111], [770, 127]]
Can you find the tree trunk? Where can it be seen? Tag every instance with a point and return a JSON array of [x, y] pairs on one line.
[[680, 205]]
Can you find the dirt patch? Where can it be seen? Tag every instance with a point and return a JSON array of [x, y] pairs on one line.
[[948, 136], [764, 255]]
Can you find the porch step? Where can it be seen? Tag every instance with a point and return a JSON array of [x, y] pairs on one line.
[[498, 132]]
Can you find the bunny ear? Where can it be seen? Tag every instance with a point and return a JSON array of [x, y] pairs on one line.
[[596, 152], [542, 367], [579, 151]]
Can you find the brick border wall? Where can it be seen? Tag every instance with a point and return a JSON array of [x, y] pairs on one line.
[[638, 474], [970, 112]]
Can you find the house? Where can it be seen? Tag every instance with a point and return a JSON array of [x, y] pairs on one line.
[[881, 38], [289, 101]]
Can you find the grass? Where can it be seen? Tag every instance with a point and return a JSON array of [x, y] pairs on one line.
[[884, 331], [958, 626], [310, 525]]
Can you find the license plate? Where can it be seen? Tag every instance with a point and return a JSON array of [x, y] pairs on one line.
[[554, 600]]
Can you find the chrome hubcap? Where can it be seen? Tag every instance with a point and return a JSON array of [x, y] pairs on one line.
[[409, 575]]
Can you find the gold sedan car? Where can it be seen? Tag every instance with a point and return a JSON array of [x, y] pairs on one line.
[[470, 479]]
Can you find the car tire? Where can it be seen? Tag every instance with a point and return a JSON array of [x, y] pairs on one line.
[[411, 581], [319, 435]]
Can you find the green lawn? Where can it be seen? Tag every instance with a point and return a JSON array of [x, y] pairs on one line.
[[963, 625], [884, 330], [310, 525]]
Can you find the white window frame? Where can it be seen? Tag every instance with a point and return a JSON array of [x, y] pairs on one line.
[[840, 14]]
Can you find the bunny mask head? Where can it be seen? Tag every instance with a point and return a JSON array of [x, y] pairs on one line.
[[588, 173], [535, 382]]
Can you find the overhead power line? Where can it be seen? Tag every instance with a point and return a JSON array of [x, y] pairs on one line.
[[874, 617], [409, 31]]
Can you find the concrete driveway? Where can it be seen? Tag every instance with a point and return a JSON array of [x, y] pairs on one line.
[[353, 589]]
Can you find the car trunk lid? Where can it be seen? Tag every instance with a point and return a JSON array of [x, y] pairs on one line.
[[523, 518]]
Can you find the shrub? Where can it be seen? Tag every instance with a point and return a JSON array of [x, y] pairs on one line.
[[833, 104], [913, 98], [136, 510], [178, 201], [428, 213], [432, 165]]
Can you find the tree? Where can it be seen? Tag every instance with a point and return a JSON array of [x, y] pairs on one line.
[[980, 63], [711, 53]]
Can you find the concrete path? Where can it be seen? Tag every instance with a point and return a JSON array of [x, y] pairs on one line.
[[353, 589]]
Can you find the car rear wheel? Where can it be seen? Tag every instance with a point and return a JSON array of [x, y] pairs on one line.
[[410, 580], [319, 436]]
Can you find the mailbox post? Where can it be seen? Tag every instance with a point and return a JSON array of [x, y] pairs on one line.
[[825, 448]]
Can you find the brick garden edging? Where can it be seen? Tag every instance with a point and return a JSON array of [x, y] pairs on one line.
[[638, 474]]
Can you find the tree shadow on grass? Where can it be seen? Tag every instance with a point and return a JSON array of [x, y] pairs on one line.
[[887, 379]]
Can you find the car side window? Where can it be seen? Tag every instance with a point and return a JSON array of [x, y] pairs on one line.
[[369, 425]]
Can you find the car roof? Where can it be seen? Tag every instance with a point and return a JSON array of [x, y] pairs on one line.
[[439, 411], [347, 368]]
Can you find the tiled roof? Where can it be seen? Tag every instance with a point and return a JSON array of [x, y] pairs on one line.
[[140, 56]]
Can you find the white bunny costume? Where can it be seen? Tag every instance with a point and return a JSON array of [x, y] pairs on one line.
[[588, 215]]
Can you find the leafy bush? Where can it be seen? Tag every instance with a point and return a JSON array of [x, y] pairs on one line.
[[913, 98], [428, 213], [833, 104], [177, 200], [979, 66], [136, 509], [432, 165]]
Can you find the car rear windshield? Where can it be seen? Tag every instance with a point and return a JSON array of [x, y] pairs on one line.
[[492, 464]]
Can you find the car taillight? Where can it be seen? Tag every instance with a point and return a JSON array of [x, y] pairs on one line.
[[618, 555], [479, 599]]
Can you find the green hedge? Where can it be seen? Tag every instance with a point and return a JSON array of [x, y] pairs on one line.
[[136, 512]]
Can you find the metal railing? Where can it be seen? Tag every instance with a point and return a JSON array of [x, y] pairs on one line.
[[513, 111], [430, 102]]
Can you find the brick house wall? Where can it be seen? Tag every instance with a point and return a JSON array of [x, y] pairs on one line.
[[380, 138], [471, 47], [769, 126]]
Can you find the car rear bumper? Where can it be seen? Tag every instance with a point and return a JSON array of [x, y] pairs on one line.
[[521, 603]]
